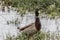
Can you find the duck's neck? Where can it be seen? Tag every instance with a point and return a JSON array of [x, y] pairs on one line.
[[37, 21], [36, 13], [36, 16]]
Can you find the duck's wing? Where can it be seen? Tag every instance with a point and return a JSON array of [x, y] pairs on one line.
[[27, 26], [29, 29]]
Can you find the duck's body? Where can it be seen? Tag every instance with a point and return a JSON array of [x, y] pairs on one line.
[[33, 27], [29, 29]]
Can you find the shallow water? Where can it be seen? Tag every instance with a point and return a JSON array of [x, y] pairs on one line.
[[11, 28]]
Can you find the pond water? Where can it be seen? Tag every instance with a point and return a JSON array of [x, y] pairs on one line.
[[8, 26]]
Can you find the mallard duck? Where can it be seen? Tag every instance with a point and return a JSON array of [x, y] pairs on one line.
[[33, 27]]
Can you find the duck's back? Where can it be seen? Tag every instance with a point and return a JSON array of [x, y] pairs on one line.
[[31, 29]]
